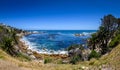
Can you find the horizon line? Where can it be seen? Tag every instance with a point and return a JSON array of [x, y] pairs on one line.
[[61, 29]]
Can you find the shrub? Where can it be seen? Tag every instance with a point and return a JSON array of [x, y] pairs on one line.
[[60, 62], [23, 57], [1, 57], [47, 60], [94, 54], [7, 45], [115, 41], [75, 46], [92, 62], [75, 59]]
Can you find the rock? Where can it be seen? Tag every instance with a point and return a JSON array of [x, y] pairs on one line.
[[85, 54], [75, 51], [71, 52], [65, 61], [79, 35], [29, 53], [32, 57], [79, 52], [17, 49]]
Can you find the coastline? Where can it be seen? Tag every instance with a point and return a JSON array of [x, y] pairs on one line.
[[41, 51], [33, 47], [26, 48], [30, 48]]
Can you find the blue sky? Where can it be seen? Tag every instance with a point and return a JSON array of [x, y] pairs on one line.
[[57, 14]]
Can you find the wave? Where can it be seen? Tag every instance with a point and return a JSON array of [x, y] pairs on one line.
[[52, 52], [33, 47], [27, 43], [88, 33]]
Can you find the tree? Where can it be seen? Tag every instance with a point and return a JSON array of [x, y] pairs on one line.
[[106, 32]]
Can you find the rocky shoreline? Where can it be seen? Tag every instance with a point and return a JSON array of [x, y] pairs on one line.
[[24, 48]]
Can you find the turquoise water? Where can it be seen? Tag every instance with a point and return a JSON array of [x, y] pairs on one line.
[[57, 40]]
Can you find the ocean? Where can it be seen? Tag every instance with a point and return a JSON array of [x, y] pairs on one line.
[[56, 41]]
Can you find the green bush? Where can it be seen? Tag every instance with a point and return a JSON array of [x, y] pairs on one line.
[[115, 41], [75, 59], [91, 63], [23, 57], [94, 54], [7, 45], [60, 62], [1, 57], [47, 60]]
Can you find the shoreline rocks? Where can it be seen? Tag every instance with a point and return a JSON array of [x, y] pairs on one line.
[[78, 35], [34, 54]]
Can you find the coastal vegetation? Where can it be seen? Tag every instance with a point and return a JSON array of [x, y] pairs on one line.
[[9, 41], [47, 60], [93, 54]]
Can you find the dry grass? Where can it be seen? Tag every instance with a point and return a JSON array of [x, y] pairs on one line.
[[10, 63], [111, 61], [6, 65]]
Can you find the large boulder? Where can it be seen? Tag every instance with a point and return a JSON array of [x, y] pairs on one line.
[[75, 51], [83, 53]]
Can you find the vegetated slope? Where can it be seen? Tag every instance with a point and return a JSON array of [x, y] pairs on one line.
[[109, 61], [8, 62]]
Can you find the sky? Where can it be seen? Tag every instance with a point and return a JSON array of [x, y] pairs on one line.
[[57, 14]]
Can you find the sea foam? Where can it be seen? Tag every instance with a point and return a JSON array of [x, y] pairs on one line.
[[32, 46]]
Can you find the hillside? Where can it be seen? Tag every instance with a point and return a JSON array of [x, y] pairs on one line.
[[109, 61], [9, 63]]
